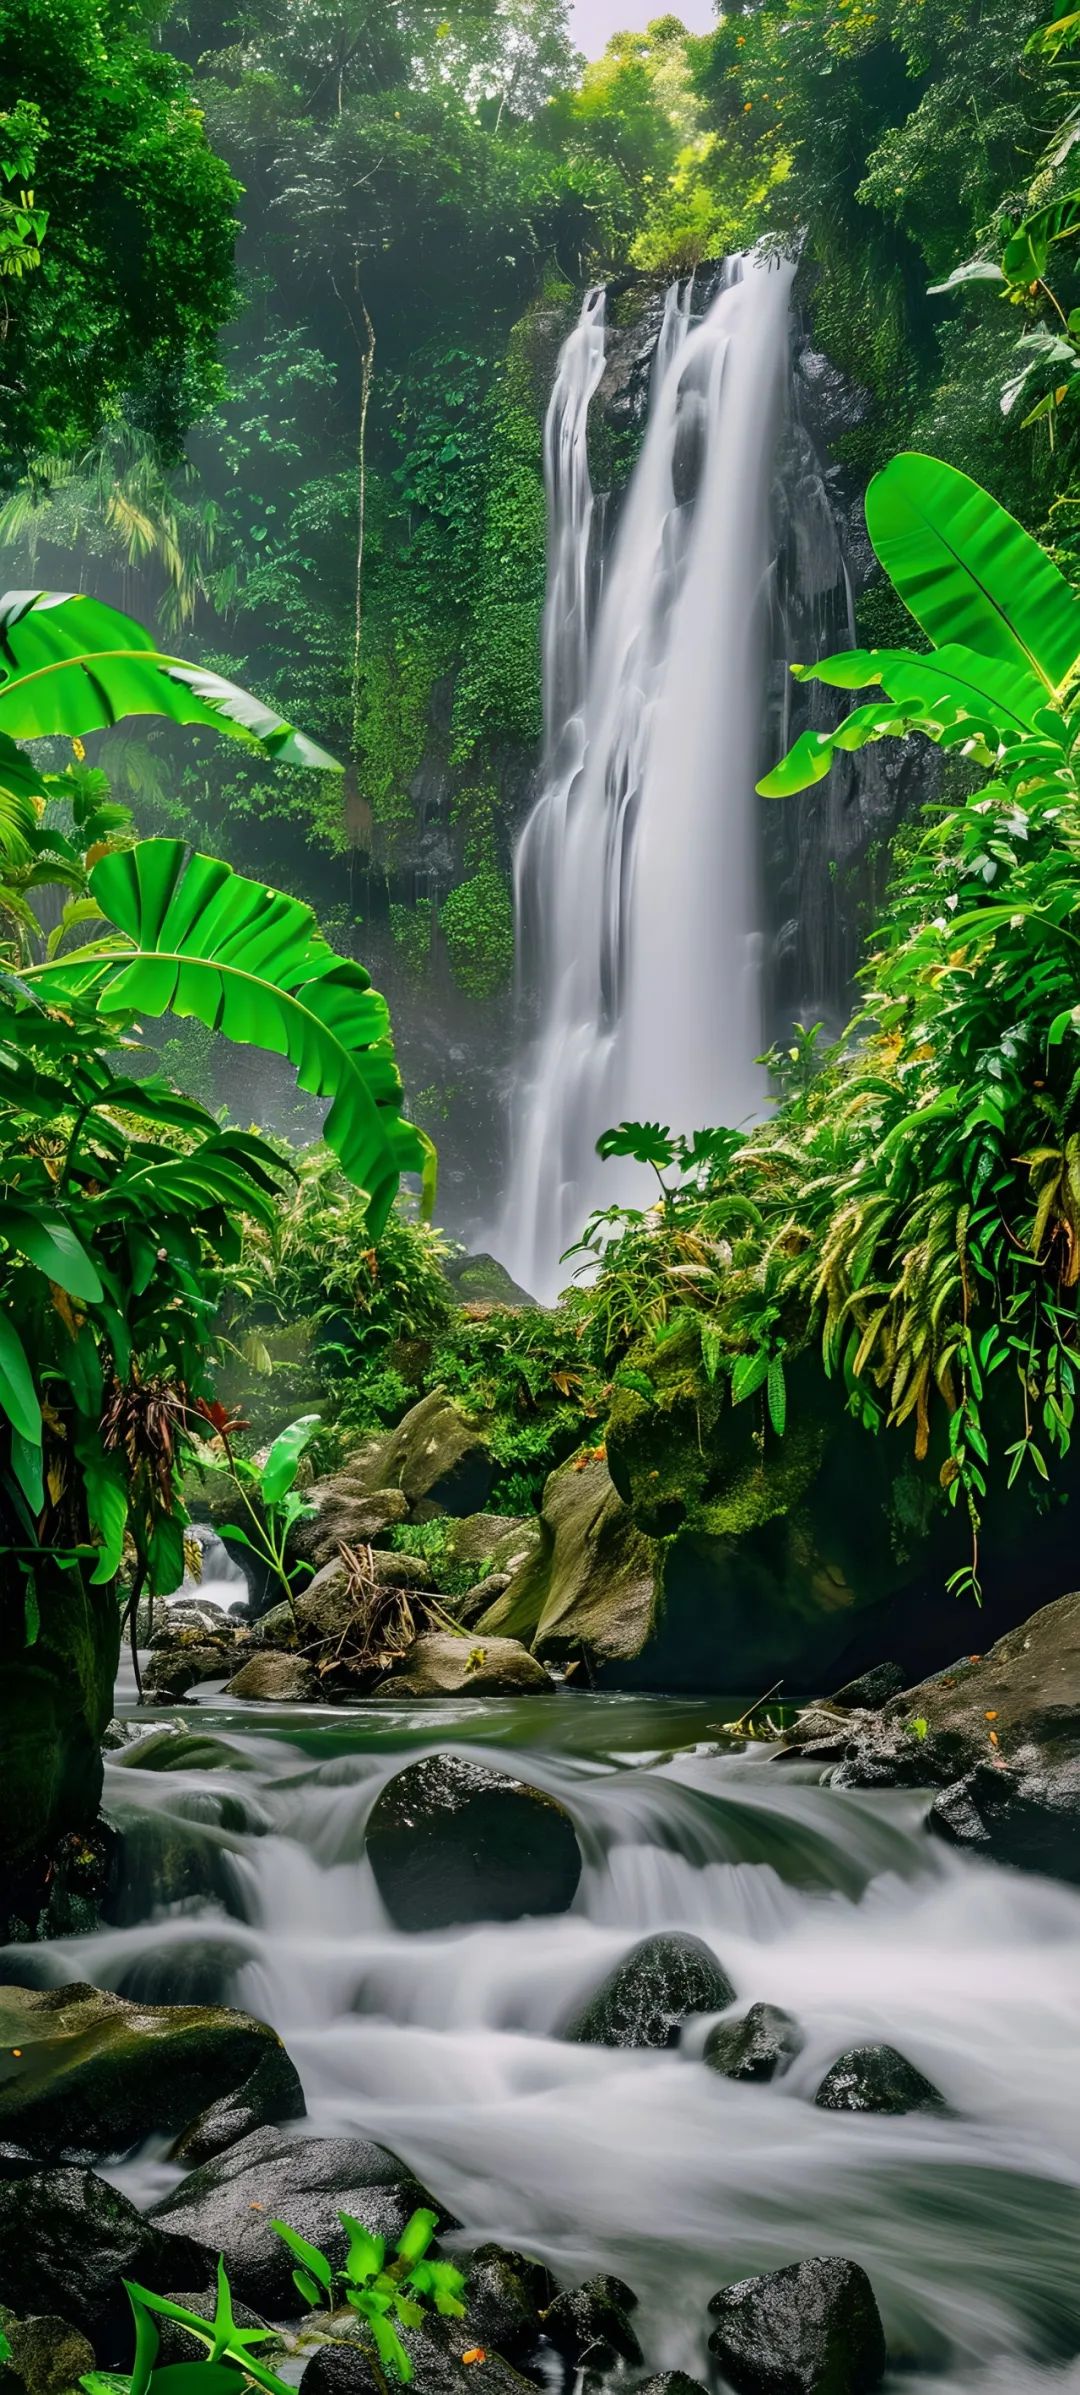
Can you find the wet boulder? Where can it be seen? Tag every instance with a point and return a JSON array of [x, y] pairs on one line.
[[440, 1664], [876, 2079], [169, 1675], [652, 1992], [504, 2294], [48, 2356], [230, 2202], [451, 1841], [590, 2325], [68, 2239], [813, 2329], [271, 2095], [436, 2354], [344, 2370], [85, 2072], [1029, 1819], [272, 1677], [756, 2047]]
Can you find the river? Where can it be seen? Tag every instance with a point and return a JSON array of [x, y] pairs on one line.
[[833, 1904]]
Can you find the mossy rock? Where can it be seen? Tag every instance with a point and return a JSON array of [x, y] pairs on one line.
[[493, 1542], [593, 1583], [84, 2072], [440, 1461]]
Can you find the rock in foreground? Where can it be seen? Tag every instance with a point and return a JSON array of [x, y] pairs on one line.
[[90, 2074], [755, 2048], [813, 2329], [877, 2079], [450, 1841], [652, 1992], [67, 2239], [439, 1664], [308, 2181]]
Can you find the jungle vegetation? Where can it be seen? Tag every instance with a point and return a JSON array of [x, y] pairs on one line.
[[279, 298]]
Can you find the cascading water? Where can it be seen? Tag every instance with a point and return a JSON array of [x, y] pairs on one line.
[[446, 2047], [636, 877]]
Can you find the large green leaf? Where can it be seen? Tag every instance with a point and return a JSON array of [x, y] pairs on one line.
[[1004, 695], [21, 788], [1027, 253], [69, 664], [968, 571], [18, 1396], [49, 1242], [283, 1462], [251, 963]]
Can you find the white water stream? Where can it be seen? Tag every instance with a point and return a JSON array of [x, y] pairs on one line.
[[636, 876], [834, 1905]]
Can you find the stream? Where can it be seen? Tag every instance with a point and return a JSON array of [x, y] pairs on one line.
[[445, 2047]]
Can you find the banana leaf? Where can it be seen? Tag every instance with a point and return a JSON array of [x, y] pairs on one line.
[[197, 938], [968, 572], [1007, 696], [70, 664]]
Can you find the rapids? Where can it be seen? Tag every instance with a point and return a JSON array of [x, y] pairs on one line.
[[833, 1904]]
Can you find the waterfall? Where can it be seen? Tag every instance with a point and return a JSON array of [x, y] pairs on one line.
[[636, 877]]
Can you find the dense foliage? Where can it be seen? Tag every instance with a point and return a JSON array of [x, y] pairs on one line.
[[124, 1201]]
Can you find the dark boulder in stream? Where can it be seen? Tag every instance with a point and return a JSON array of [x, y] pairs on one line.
[[309, 2181], [671, 2382], [86, 2073], [437, 2365], [813, 2329], [877, 2079], [504, 2293], [67, 2239], [652, 1992], [450, 1841], [755, 2048], [590, 2325]]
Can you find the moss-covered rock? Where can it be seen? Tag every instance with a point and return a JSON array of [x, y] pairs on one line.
[[441, 1462], [497, 1542], [440, 1664], [84, 2072], [593, 1582]]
